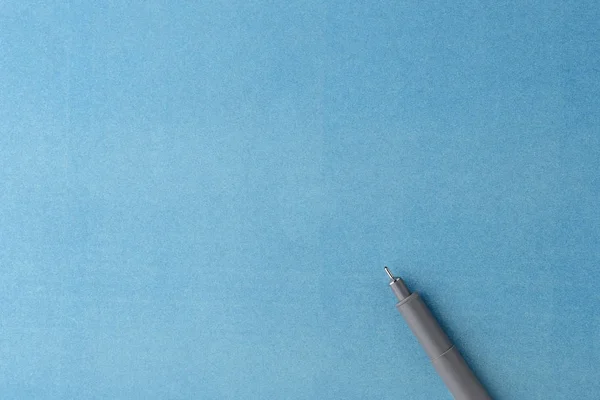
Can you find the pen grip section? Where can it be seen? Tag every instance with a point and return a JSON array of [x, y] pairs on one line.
[[424, 326], [446, 359]]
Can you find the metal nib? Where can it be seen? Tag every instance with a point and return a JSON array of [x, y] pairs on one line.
[[398, 286], [387, 271]]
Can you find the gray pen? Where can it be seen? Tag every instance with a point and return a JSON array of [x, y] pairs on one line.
[[446, 359]]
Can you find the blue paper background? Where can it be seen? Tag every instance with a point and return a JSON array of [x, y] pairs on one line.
[[197, 198]]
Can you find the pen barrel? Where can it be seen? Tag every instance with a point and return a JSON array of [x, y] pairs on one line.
[[446, 359]]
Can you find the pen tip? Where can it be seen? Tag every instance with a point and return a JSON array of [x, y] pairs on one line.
[[387, 271]]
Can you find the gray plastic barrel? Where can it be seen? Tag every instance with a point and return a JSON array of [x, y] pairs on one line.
[[446, 359]]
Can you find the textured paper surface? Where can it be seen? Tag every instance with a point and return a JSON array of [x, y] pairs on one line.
[[197, 200]]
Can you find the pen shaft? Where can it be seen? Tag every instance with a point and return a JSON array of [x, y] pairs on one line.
[[446, 359]]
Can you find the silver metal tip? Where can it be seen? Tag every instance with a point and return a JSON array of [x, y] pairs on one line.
[[387, 271]]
